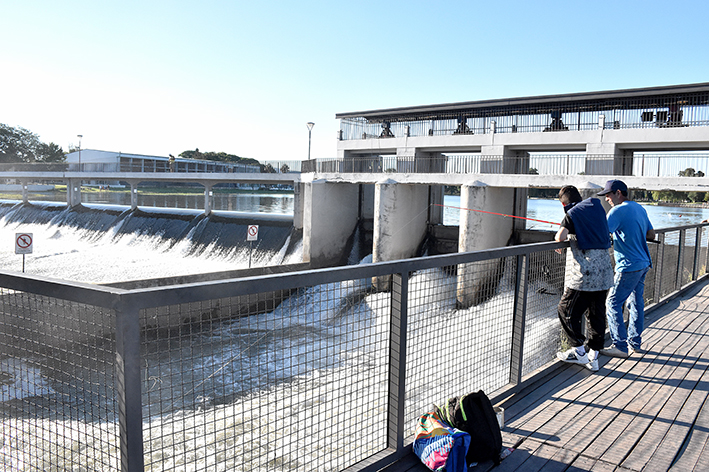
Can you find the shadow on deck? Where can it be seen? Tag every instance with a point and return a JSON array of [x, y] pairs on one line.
[[644, 413]]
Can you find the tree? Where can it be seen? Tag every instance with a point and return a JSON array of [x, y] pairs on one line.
[[696, 196], [532, 170], [285, 169], [22, 145]]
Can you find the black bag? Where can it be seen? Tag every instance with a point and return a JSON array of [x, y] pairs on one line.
[[474, 414]]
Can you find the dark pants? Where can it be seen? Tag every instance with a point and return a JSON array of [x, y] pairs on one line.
[[572, 307]]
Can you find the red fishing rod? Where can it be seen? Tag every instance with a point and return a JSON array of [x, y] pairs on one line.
[[498, 214]]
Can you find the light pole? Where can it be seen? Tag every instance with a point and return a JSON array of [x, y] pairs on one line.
[[310, 130], [79, 136]]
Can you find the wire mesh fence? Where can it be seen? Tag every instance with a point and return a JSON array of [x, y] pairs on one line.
[[313, 370]]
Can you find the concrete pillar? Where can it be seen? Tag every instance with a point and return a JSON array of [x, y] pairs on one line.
[[329, 219], [606, 159], [23, 184], [400, 220], [499, 159], [207, 198], [435, 200], [298, 201], [133, 195], [73, 192], [400, 223], [480, 231]]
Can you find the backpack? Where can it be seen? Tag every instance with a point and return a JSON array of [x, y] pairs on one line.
[[440, 446], [474, 414]]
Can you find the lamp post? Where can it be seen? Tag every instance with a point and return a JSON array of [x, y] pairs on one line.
[[310, 130], [79, 136]]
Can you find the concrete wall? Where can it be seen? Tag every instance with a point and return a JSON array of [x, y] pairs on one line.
[[330, 215], [480, 231], [400, 220]]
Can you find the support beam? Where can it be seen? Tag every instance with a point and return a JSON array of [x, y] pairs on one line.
[[73, 193], [25, 198], [400, 222], [480, 231], [208, 198], [329, 221], [133, 195]]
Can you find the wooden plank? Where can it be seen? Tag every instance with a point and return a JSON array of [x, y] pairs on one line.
[[610, 434], [553, 418], [678, 410], [585, 464], [622, 447], [625, 401], [689, 456]]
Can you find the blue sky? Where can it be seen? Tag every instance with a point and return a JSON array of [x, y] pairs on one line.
[[244, 77]]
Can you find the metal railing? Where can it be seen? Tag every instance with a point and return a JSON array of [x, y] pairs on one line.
[[639, 164], [310, 370]]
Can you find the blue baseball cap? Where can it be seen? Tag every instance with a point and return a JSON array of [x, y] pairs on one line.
[[613, 186]]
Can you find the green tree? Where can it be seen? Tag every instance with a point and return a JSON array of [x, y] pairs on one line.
[[285, 169], [696, 196], [22, 145]]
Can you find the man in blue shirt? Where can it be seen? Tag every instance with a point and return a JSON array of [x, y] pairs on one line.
[[631, 229]]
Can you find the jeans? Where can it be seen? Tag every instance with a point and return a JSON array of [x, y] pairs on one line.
[[626, 286]]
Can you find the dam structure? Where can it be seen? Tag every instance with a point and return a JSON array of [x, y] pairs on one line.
[[393, 164]]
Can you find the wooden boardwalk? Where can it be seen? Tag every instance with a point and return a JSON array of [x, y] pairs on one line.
[[644, 413]]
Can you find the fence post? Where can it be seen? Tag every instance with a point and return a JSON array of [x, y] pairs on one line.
[[397, 361], [659, 267], [518, 320], [697, 252], [128, 386], [680, 259]]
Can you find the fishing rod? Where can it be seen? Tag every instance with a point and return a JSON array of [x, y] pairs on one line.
[[498, 214]]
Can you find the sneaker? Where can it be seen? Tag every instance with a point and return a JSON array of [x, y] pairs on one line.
[[635, 350], [572, 357], [613, 351], [592, 365]]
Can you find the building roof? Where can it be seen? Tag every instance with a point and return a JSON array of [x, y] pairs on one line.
[[626, 98]]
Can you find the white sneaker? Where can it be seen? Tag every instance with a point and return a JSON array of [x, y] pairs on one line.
[[572, 357], [592, 365]]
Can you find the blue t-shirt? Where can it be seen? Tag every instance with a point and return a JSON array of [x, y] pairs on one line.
[[629, 224]]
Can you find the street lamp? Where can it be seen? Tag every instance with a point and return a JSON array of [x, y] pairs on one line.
[[79, 136], [310, 130]]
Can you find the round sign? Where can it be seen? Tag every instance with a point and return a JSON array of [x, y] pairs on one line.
[[23, 243], [252, 233]]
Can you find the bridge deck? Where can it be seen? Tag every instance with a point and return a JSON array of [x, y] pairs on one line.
[[646, 412]]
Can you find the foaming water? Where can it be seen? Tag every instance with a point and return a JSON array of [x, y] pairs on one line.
[[102, 244]]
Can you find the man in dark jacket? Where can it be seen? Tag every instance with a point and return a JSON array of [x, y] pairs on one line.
[[589, 275]]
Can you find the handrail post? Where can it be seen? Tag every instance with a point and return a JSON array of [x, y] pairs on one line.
[[680, 259], [518, 320], [397, 361], [659, 266], [697, 252], [128, 387]]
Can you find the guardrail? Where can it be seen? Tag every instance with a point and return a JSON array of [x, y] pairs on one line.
[[639, 165], [310, 370]]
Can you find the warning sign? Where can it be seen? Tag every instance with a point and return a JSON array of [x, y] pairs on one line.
[[252, 233], [23, 243]]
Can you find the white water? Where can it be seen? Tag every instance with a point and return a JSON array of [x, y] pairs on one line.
[[70, 253]]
